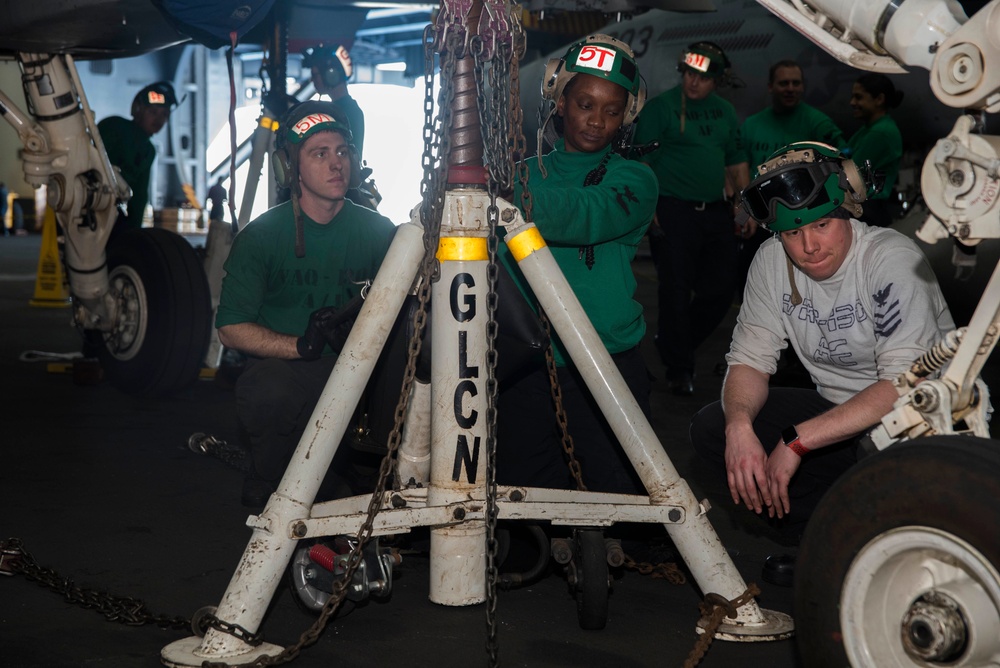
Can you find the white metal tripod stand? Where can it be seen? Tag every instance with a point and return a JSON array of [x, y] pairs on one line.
[[452, 502]]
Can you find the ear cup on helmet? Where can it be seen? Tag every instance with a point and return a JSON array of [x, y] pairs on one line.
[[281, 165], [636, 103], [551, 79], [859, 191]]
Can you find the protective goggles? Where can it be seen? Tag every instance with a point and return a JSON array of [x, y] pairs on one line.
[[796, 186]]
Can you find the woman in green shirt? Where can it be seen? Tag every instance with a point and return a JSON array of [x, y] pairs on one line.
[[878, 142]]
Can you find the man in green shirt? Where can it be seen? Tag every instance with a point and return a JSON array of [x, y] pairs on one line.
[[289, 276], [129, 148], [699, 161]]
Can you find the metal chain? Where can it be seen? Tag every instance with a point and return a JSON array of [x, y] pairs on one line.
[[555, 390], [121, 609], [715, 608], [495, 123], [664, 570], [262, 75]]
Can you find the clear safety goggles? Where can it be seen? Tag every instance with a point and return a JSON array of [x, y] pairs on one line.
[[795, 186]]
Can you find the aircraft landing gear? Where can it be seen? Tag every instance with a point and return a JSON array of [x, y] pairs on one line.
[[898, 566], [164, 319]]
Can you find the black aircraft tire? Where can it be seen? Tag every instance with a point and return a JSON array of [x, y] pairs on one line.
[[591, 557], [159, 342], [895, 533]]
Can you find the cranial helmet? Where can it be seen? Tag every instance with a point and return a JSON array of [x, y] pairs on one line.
[[803, 182], [601, 56], [301, 122], [705, 58], [159, 94], [333, 63]]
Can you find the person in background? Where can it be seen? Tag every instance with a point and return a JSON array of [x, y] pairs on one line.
[[331, 69], [878, 142], [129, 148], [858, 304], [291, 276], [692, 238], [217, 197]]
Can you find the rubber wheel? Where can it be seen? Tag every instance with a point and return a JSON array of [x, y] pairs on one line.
[[590, 560], [161, 337], [914, 524]]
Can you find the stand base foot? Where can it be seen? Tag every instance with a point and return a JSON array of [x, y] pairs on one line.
[[181, 654], [776, 626]]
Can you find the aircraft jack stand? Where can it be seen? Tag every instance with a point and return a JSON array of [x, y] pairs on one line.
[[445, 429]]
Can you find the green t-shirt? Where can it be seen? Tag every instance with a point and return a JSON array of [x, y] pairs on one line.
[[611, 216], [767, 131], [130, 150], [266, 284], [881, 144], [691, 165]]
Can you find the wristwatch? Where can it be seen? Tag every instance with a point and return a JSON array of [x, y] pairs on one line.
[[791, 438]]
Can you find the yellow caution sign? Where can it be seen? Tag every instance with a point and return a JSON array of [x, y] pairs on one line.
[[50, 283]]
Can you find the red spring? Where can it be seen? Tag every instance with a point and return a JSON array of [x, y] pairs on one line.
[[322, 555]]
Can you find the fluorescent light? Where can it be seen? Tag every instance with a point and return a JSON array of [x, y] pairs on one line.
[[398, 66]]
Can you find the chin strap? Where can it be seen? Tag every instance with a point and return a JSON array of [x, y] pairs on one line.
[[796, 297], [300, 239], [544, 118]]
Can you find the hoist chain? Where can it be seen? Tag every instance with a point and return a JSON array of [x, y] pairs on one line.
[[495, 125], [555, 390], [262, 75]]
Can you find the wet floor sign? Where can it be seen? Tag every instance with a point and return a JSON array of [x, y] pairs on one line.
[[50, 283]]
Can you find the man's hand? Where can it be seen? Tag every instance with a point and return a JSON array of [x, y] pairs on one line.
[[745, 460], [781, 466], [310, 345]]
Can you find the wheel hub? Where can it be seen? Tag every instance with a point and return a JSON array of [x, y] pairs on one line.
[[934, 628]]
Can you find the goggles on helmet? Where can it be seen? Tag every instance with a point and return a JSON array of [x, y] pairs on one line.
[[798, 186], [802, 183]]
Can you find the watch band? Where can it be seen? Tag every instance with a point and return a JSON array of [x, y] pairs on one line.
[[791, 438]]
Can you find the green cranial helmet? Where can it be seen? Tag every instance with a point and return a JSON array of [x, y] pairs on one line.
[[601, 56], [705, 58], [801, 183], [312, 116]]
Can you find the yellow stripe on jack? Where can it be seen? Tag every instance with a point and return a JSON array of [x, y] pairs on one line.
[[462, 249], [526, 243]]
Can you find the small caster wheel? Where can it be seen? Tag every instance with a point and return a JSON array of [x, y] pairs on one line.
[[590, 565]]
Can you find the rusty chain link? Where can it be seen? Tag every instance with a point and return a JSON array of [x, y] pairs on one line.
[[664, 570], [715, 608]]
